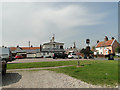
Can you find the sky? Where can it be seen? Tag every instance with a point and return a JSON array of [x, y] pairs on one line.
[[69, 21]]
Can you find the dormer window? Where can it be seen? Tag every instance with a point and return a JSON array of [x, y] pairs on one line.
[[61, 47], [53, 45]]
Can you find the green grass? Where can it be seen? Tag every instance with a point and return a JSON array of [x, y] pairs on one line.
[[96, 73], [40, 64], [116, 57], [102, 72]]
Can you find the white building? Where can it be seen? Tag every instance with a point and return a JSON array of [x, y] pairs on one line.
[[52, 47], [107, 46]]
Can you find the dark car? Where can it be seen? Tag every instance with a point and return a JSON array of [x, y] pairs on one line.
[[60, 55], [3, 67], [91, 57]]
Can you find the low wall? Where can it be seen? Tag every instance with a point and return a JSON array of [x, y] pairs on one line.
[[101, 56]]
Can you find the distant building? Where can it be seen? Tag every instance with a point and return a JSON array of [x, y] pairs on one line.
[[45, 50], [24, 51], [52, 47], [106, 47], [72, 49]]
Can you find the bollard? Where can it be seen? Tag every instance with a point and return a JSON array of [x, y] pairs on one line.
[[78, 63]]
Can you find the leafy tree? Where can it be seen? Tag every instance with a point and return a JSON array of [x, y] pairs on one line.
[[82, 51], [117, 49], [85, 51], [93, 48]]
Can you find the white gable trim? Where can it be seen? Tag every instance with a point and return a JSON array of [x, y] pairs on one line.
[[113, 42]]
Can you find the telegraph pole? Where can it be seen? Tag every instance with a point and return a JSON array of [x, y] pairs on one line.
[[29, 44]]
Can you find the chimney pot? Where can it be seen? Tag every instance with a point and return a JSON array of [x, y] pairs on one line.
[[113, 38], [97, 41], [106, 38], [17, 46]]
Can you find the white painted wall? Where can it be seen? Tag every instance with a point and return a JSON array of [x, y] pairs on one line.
[[52, 46], [99, 50]]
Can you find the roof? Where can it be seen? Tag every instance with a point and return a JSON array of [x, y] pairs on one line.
[[13, 48], [105, 43], [24, 48]]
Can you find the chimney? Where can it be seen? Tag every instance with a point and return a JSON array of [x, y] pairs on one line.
[[31, 45], [113, 38], [106, 38], [97, 41], [53, 39], [17, 46], [74, 45]]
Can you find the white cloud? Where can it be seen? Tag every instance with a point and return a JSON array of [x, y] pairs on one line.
[[36, 22]]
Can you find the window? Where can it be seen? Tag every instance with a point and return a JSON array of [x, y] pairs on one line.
[[53, 45], [61, 47], [73, 54], [57, 46]]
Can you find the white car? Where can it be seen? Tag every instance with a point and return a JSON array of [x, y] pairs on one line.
[[118, 54], [5, 54], [73, 55]]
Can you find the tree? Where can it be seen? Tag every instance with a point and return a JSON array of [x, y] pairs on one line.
[[93, 48], [82, 51], [86, 52], [117, 49]]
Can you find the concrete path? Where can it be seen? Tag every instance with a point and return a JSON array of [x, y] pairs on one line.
[[42, 79]]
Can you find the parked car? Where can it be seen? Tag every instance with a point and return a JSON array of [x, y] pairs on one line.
[[118, 54], [18, 57], [6, 54], [60, 55], [47, 56], [73, 55], [91, 57], [39, 55]]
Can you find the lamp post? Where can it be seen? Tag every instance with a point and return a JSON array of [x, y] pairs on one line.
[[87, 48]]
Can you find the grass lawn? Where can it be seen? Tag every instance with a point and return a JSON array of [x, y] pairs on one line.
[[96, 72], [40, 64], [116, 57], [102, 72]]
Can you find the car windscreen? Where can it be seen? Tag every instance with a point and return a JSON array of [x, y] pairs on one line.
[[73, 54]]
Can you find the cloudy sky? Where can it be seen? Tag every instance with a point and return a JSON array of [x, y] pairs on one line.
[[70, 22]]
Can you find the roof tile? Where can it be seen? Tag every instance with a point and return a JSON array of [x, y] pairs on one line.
[[24, 48], [104, 43]]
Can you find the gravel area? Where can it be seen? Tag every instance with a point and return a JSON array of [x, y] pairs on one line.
[[42, 79]]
